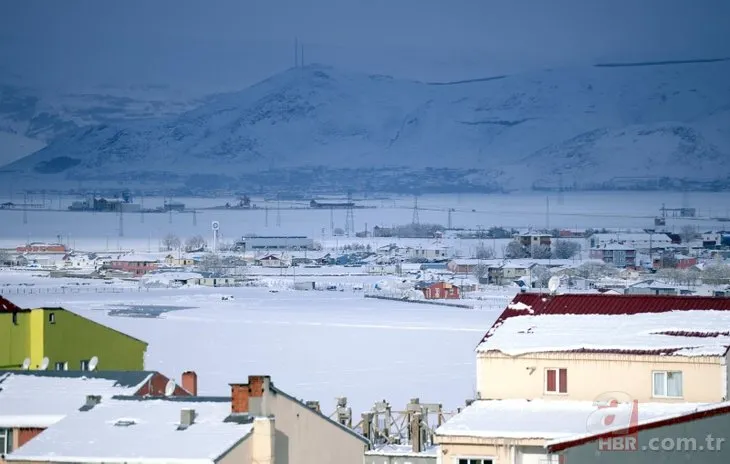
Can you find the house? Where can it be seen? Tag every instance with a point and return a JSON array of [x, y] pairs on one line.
[[81, 261], [182, 261], [31, 401], [638, 241], [294, 242], [41, 247], [615, 253], [530, 240], [431, 253], [439, 291], [684, 437], [576, 346], [41, 336], [273, 261], [680, 261], [516, 431], [258, 424], [651, 287], [134, 264], [464, 266]]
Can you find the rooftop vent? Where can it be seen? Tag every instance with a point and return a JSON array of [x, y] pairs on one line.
[[91, 401], [187, 418], [124, 422]]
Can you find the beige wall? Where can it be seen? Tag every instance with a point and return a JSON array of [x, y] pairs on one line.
[[501, 450], [589, 375], [239, 454], [305, 437]]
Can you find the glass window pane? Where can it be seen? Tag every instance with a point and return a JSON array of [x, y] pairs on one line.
[[674, 384], [659, 389], [2, 442]]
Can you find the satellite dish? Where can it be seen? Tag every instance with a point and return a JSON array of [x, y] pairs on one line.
[[26, 364], [170, 387], [553, 284], [93, 362], [44, 364], [215, 225]]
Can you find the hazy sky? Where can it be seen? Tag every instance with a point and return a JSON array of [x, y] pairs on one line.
[[212, 45]]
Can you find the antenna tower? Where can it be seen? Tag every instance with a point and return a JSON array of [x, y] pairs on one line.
[[350, 217], [415, 219]]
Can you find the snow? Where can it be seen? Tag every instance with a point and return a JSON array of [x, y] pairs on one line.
[[546, 419], [92, 436], [637, 332], [25, 400], [316, 345], [402, 451], [520, 306]]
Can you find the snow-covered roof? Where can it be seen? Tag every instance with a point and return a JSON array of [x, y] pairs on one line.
[[134, 429], [42, 398], [402, 451], [679, 333], [699, 412], [138, 257], [545, 419], [639, 324]]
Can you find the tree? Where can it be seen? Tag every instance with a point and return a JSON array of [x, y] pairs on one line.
[[515, 251], [195, 243], [716, 274], [481, 271], [4, 257], [687, 233], [668, 260], [540, 276], [484, 252], [171, 242], [595, 270], [211, 263], [541, 252], [566, 249], [338, 231]]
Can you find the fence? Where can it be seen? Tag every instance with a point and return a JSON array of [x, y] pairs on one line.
[[68, 290]]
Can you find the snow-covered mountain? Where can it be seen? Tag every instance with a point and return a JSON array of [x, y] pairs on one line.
[[607, 126]]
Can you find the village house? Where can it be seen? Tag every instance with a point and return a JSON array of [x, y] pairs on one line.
[[651, 287], [530, 240], [38, 338], [616, 254], [549, 360], [464, 265], [181, 261], [134, 264], [32, 401], [41, 248], [679, 261], [641, 241], [258, 424], [439, 290], [276, 261], [429, 253]]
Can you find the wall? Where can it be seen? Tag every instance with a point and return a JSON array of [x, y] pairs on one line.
[[686, 435], [14, 339], [384, 459], [74, 338], [500, 450], [502, 377], [239, 454], [305, 437]]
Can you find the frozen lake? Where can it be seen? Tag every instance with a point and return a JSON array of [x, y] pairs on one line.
[[316, 345], [101, 231]]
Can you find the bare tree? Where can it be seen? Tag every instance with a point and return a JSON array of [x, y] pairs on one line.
[[4, 257], [515, 251], [484, 252], [540, 276], [195, 243], [338, 231], [171, 242], [687, 233], [541, 252], [595, 270], [668, 260], [716, 274], [211, 263], [481, 271], [566, 249]]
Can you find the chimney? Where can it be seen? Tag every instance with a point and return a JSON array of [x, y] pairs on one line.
[[251, 397], [190, 382], [91, 401], [263, 440], [314, 405], [187, 417], [367, 425], [416, 433]]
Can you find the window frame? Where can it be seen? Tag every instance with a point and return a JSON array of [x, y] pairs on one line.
[[557, 381], [84, 364], [63, 364], [476, 459], [665, 383], [7, 435]]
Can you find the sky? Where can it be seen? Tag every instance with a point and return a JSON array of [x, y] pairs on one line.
[[221, 45]]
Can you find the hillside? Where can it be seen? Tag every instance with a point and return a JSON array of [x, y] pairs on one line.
[[319, 129]]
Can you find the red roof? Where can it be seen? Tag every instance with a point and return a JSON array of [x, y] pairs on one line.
[[7, 305], [545, 304]]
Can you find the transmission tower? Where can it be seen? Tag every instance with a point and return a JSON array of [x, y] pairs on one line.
[[415, 219], [350, 217], [25, 208], [141, 209], [169, 208], [560, 189], [266, 216], [278, 211], [449, 221], [195, 217], [121, 222], [332, 221]]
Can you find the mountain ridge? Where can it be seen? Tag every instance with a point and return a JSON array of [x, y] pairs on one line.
[[585, 126]]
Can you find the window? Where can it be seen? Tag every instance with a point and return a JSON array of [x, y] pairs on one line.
[[556, 380], [475, 461], [52, 318], [667, 384], [85, 365], [61, 366], [6, 441]]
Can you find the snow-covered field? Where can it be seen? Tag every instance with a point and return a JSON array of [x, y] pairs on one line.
[[316, 345], [100, 231]]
